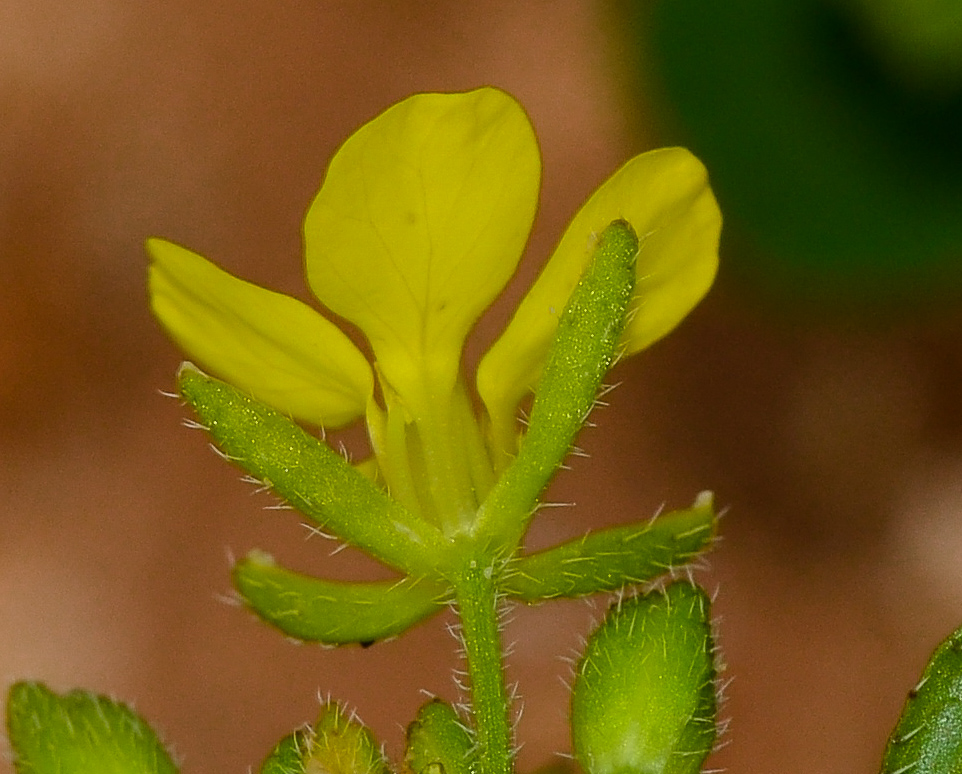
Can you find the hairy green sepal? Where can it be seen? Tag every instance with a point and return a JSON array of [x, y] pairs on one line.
[[332, 612], [584, 348], [79, 733], [311, 476], [928, 737], [643, 700], [612, 558]]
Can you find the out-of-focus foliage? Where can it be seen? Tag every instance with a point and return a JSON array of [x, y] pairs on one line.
[[837, 160]]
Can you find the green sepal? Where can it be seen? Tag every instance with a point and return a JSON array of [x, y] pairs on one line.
[[289, 754], [333, 612], [311, 476], [643, 700], [438, 742], [584, 348], [612, 558], [928, 736], [79, 733]]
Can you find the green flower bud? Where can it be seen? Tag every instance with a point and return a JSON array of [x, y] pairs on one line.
[[335, 744], [438, 741], [342, 745], [644, 695]]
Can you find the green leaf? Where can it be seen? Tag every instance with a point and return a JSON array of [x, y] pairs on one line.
[[270, 345], [610, 559], [420, 221], [928, 736], [438, 742], [333, 612], [79, 733], [583, 350], [311, 476], [664, 195], [643, 700]]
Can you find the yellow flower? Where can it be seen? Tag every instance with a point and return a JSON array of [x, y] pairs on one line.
[[421, 220]]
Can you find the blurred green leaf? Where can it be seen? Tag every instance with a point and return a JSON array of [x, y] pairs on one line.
[[844, 184], [79, 733]]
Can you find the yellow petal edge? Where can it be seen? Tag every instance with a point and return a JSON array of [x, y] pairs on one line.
[[273, 346], [664, 194]]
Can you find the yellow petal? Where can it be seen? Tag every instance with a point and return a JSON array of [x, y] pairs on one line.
[[420, 222], [664, 195], [273, 346]]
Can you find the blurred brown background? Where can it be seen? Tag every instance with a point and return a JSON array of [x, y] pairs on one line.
[[838, 450]]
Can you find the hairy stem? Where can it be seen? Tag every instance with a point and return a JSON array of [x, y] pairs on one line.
[[477, 603]]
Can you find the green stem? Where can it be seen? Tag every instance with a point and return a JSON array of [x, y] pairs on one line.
[[476, 597]]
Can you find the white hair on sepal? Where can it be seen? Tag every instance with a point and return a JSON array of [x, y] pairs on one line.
[[605, 389], [260, 485], [551, 504], [315, 531], [230, 598], [644, 238], [193, 424], [519, 711], [522, 417], [224, 455]]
